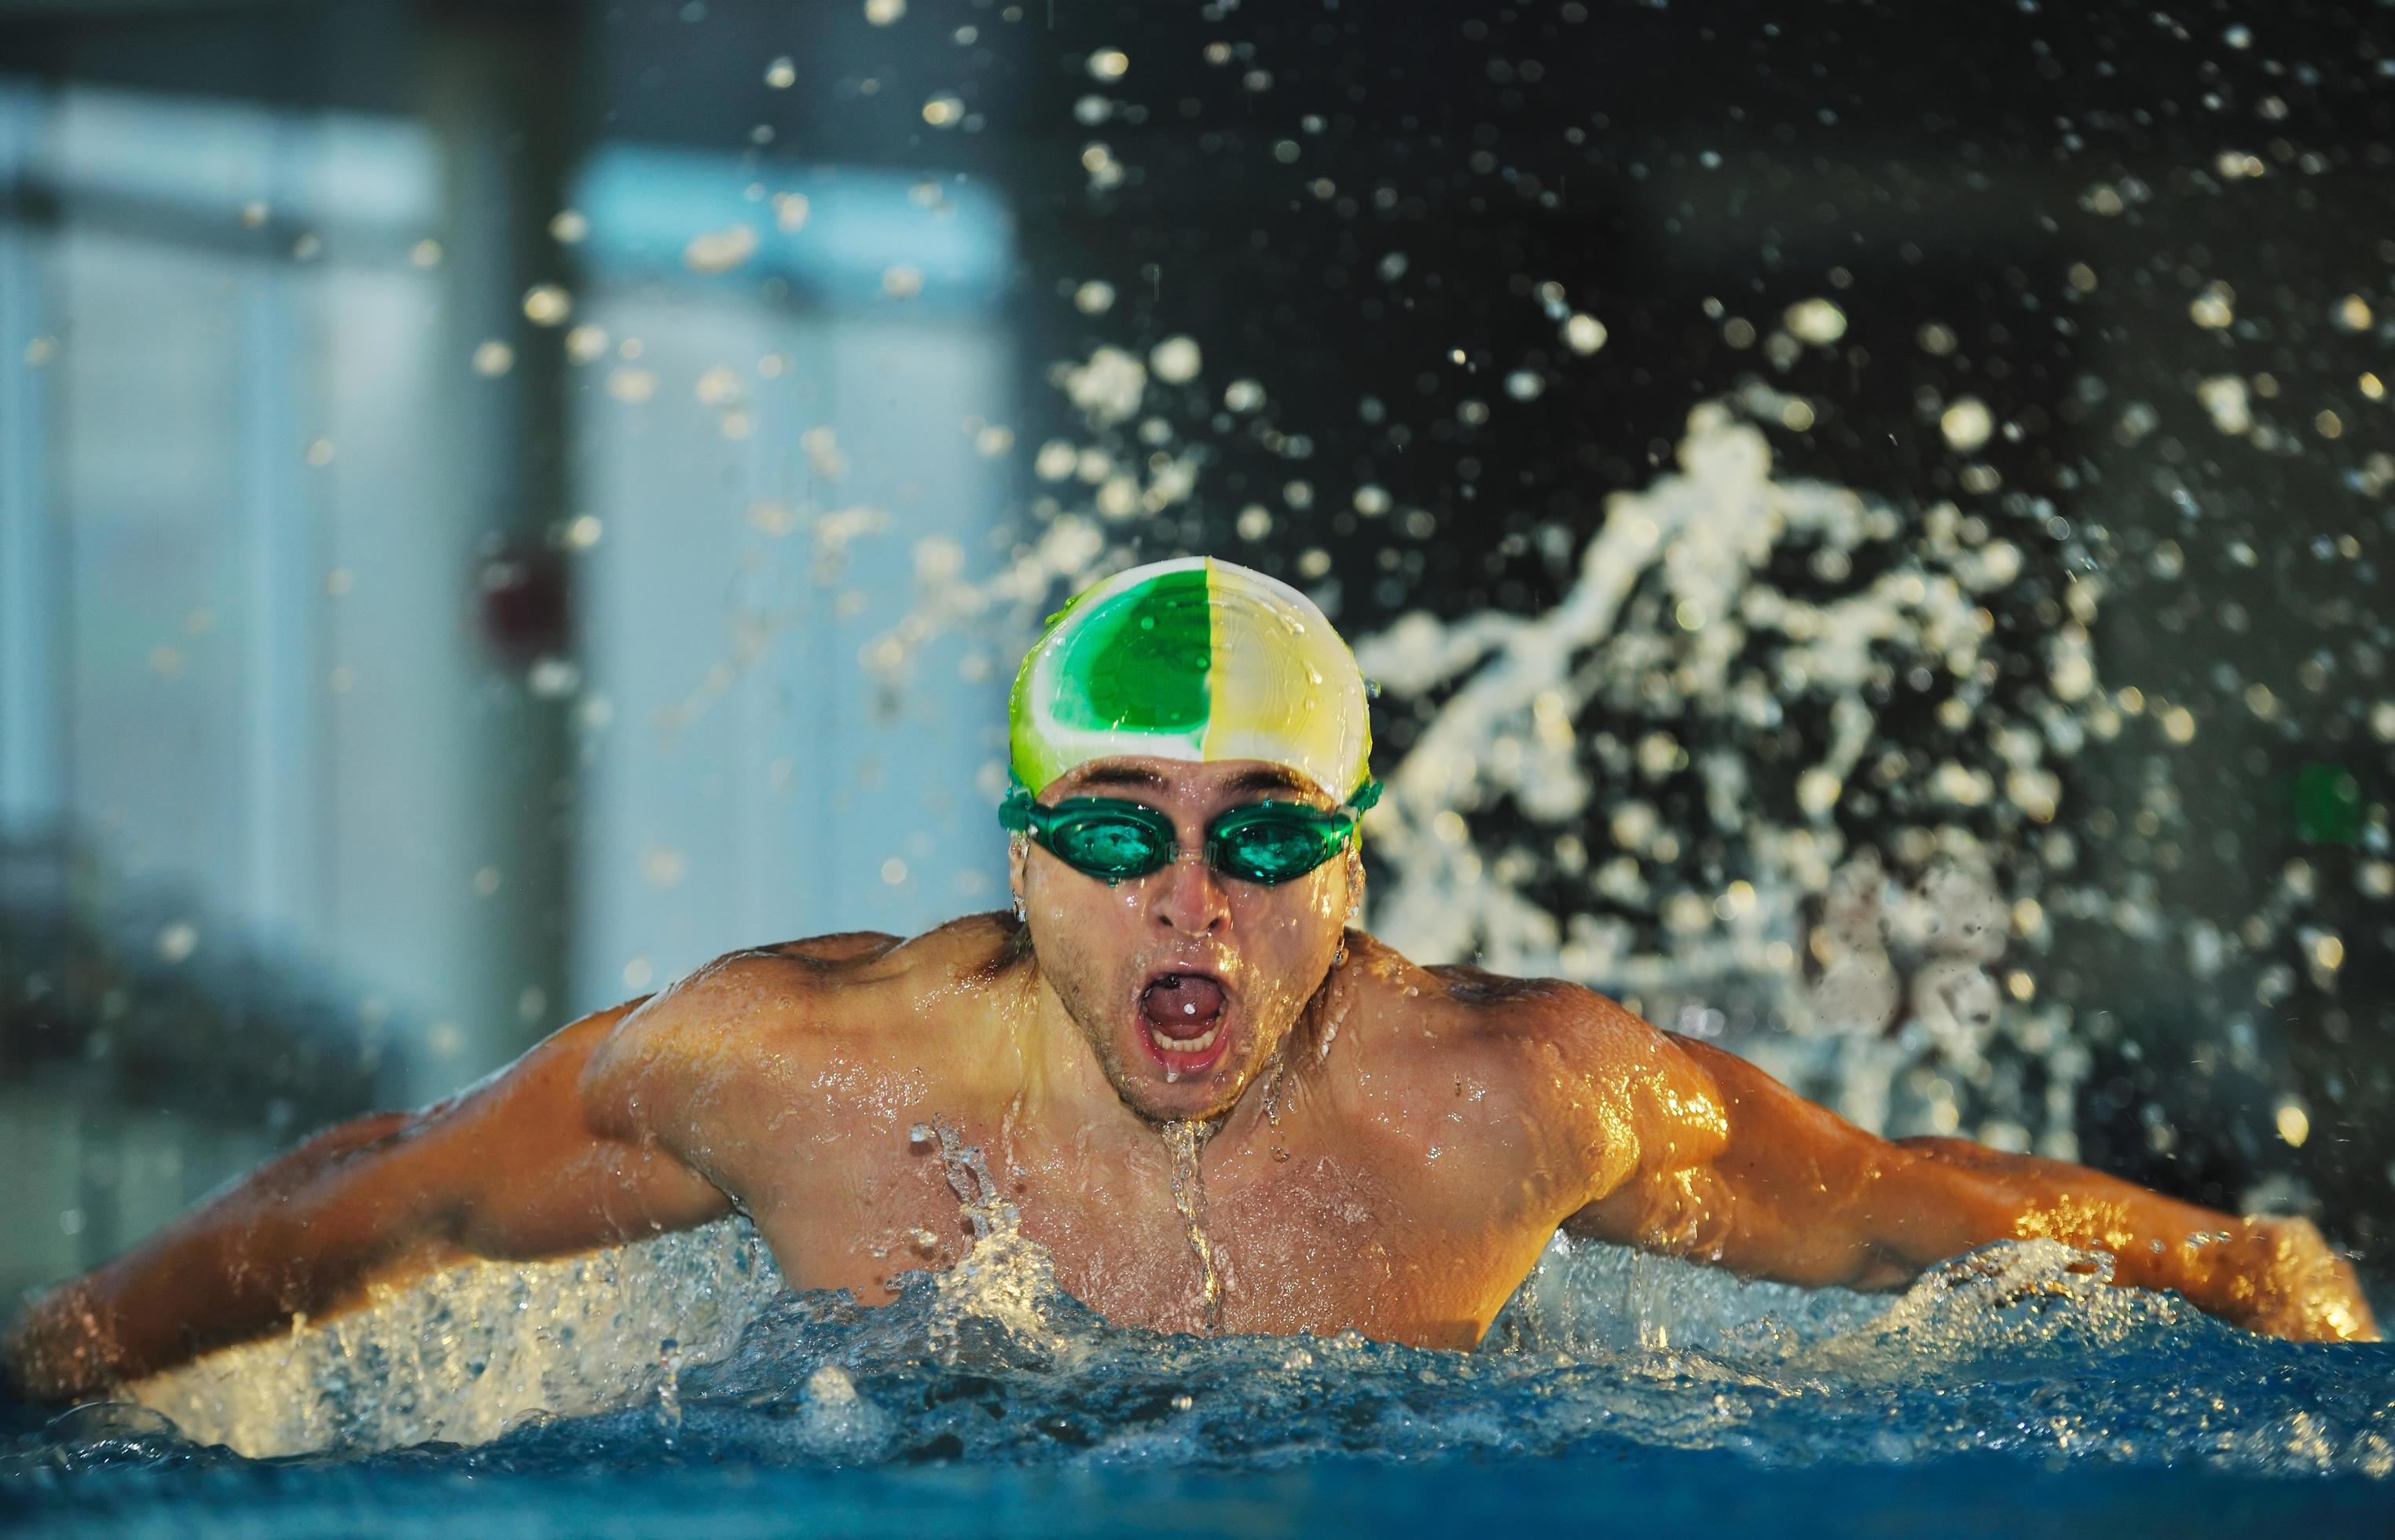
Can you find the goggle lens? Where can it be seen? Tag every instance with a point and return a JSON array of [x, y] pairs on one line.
[[1113, 840], [1273, 842]]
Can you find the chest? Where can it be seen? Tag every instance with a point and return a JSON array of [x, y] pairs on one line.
[[1323, 1231]]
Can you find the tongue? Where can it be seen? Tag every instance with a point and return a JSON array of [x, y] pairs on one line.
[[1181, 1004]]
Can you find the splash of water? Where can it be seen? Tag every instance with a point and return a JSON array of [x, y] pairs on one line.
[[1677, 646], [2019, 1351], [1005, 1278], [1186, 1141], [1685, 650], [460, 1356], [463, 1356], [2021, 1347]]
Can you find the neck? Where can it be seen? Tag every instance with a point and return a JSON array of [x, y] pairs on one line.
[[1061, 1073], [1296, 1063], [1294, 1067]]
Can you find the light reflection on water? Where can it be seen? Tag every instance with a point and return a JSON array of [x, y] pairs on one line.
[[685, 1349], [2015, 1392]]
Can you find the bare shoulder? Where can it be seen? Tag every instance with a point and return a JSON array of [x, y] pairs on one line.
[[733, 1034], [1574, 1064], [1543, 1022]]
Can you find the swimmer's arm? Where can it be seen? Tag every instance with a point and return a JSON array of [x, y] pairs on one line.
[[1760, 1181], [511, 1169]]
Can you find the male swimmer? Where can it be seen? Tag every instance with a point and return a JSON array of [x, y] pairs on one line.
[[1388, 1147]]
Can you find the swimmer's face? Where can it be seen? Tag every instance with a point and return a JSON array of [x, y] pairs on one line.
[[1184, 981]]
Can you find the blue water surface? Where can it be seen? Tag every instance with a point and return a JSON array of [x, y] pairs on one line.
[[2011, 1392]]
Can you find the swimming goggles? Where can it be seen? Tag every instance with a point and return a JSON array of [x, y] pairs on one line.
[[1114, 841]]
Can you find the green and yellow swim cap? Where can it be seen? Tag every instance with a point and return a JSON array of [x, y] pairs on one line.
[[1193, 659]]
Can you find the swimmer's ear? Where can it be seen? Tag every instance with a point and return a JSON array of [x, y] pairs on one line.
[[1018, 859]]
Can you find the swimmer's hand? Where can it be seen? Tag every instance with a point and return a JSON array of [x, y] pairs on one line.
[[2288, 1282]]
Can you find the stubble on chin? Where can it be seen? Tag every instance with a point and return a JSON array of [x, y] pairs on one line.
[[1138, 1081], [1139, 1085]]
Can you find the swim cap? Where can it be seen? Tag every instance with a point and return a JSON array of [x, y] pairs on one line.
[[1192, 660]]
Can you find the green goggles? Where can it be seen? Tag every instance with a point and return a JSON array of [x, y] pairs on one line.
[[1116, 841]]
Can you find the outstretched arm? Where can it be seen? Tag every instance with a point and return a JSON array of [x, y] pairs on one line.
[[511, 1168], [1759, 1180]]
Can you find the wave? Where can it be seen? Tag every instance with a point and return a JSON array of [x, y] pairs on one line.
[[687, 1351]]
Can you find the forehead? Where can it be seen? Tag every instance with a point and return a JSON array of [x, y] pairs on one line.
[[1164, 779]]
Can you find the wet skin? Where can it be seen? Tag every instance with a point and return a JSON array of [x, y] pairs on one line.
[[1391, 1145]]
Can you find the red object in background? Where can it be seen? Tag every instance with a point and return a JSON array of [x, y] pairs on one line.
[[522, 601]]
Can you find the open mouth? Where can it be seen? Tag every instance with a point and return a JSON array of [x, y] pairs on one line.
[[1181, 1016]]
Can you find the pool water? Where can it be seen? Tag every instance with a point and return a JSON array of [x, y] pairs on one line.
[[2011, 1391]]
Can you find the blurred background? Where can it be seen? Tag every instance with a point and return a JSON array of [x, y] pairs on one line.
[[1867, 520]]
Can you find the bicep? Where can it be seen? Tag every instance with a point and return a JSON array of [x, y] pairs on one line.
[[527, 1168], [694, 1069], [1770, 1184]]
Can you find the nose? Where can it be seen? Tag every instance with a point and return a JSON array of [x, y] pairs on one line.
[[1191, 900]]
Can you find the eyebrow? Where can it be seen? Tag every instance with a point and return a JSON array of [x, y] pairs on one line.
[[1269, 778], [1120, 775], [1261, 778]]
